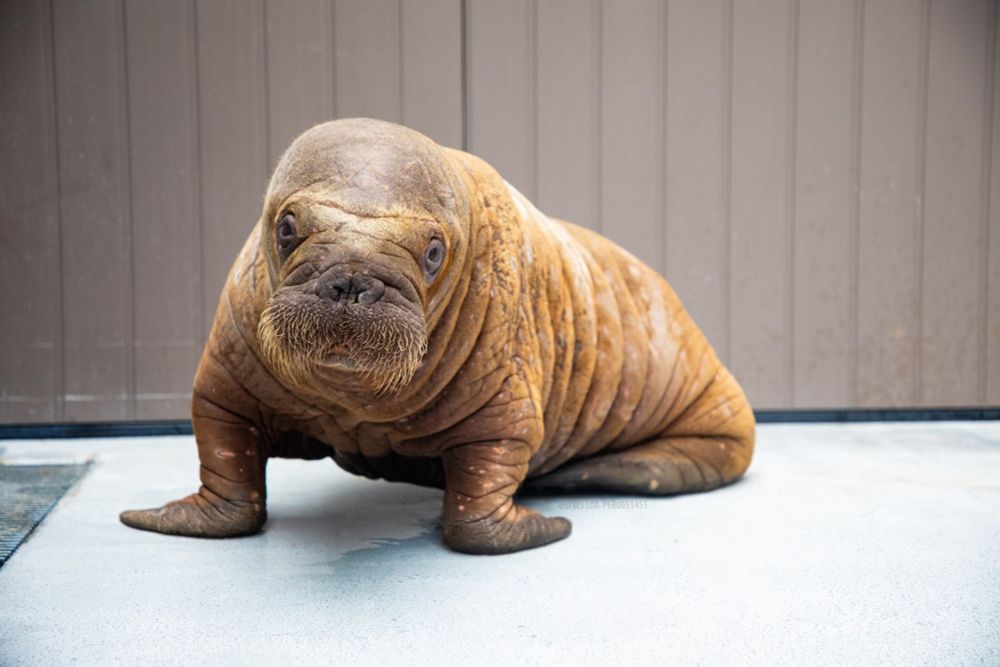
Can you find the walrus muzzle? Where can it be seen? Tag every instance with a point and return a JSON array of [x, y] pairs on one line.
[[344, 322]]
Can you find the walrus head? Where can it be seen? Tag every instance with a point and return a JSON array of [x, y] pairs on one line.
[[363, 222]]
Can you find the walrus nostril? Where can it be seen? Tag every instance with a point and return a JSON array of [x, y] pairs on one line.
[[328, 290], [363, 290], [372, 293]]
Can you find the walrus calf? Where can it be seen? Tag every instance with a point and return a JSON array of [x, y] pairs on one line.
[[402, 309]]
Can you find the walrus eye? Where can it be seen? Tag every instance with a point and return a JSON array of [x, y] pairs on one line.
[[433, 256], [287, 238]]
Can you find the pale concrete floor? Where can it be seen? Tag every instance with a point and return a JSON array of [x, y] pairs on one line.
[[856, 545]]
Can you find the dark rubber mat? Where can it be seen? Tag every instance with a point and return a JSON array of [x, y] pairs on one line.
[[27, 493]]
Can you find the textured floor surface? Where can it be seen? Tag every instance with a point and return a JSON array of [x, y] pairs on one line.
[[857, 545], [27, 493]]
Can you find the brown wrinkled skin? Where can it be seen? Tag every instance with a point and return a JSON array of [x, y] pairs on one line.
[[539, 354]]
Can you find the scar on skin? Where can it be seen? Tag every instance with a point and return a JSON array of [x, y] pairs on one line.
[[653, 484], [224, 454]]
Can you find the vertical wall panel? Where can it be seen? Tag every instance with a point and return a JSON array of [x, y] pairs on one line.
[[697, 158], [632, 175], [952, 325], [432, 69], [233, 125], [300, 76], [94, 209], [500, 88], [889, 213], [761, 244], [568, 110], [818, 180], [30, 341], [163, 132], [993, 232], [367, 40], [826, 140]]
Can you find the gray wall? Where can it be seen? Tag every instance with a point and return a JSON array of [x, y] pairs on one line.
[[815, 177]]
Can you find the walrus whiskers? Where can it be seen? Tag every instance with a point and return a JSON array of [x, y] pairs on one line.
[[296, 338]]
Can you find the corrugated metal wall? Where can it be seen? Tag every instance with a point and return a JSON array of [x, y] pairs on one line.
[[815, 177]]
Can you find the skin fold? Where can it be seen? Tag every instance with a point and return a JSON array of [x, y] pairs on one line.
[[526, 352]]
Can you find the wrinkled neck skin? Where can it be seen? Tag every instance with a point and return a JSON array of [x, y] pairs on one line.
[[467, 313]]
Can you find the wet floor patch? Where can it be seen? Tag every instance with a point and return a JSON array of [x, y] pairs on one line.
[[27, 494], [386, 550]]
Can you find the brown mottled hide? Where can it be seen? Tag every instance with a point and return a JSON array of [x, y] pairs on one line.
[[538, 353]]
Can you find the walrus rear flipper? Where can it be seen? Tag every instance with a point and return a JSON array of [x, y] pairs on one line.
[[665, 466], [709, 445]]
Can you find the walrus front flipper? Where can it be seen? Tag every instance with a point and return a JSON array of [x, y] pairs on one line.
[[480, 515], [231, 500], [201, 514]]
